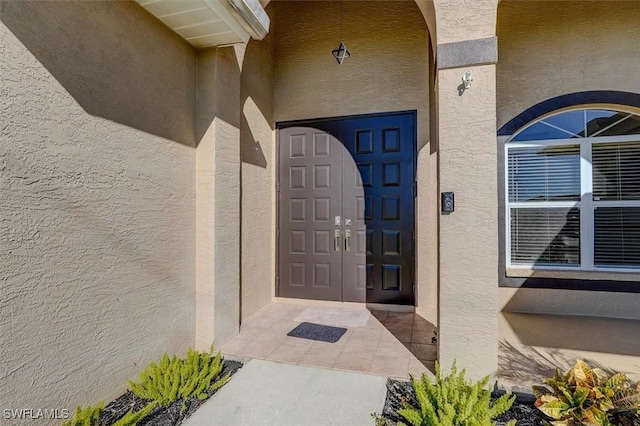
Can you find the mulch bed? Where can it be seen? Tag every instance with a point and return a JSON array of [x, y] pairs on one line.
[[160, 416], [522, 409]]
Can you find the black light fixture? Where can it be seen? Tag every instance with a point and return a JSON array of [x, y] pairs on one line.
[[341, 53]]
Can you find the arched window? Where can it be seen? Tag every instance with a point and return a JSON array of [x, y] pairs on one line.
[[573, 192]]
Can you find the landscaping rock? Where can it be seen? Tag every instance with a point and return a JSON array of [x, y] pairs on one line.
[[160, 416]]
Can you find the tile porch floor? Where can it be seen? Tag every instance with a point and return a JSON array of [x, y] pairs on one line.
[[390, 344]]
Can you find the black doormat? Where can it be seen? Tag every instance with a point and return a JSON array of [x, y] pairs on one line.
[[323, 333]]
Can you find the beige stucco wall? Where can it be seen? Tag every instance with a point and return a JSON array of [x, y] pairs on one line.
[[460, 20], [573, 46], [580, 54], [468, 326], [217, 174], [388, 71], [257, 174], [97, 220]]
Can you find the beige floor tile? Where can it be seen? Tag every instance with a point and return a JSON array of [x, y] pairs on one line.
[[431, 365], [366, 333], [284, 326], [416, 368], [421, 336], [390, 366], [428, 352], [234, 346], [380, 315], [297, 341], [401, 334], [288, 353], [373, 323], [262, 319], [259, 349], [357, 344], [353, 361], [290, 312], [320, 356], [327, 346], [396, 349]]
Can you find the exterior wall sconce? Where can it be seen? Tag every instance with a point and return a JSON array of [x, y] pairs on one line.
[[466, 80]]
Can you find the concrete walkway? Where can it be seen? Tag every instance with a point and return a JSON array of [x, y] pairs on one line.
[[271, 393]]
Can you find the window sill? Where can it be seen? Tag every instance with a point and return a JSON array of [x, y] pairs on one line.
[[573, 274]]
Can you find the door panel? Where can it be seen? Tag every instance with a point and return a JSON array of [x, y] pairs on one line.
[[363, 170], [383, 149], [310, 198], [354, 257]]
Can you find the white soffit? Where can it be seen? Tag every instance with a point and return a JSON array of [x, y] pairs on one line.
[[203, 23]]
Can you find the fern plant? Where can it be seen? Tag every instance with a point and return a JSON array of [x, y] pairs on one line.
[[173, 378], [453, 401], [133, 417], [87, 416], [587, 396]]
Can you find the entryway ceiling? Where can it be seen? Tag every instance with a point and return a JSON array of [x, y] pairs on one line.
[[207, 23]]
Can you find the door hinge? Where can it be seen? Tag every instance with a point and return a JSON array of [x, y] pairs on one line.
[[278, 186]]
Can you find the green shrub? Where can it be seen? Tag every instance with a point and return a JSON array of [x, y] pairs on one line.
[[587, 396], [133, 417], [85, 416], [173, 378], [453, 401]]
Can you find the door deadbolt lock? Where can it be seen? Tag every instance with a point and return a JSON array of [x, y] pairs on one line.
[[347, 222], [337, 220]]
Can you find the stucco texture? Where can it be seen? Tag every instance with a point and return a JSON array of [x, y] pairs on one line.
[[388, 71], [468, 327], [97, 220], [548, 49], [257, 176], [593, 50], [218, 196]]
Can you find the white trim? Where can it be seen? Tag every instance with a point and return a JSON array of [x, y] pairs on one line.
[[561, 129], [507, 209], [613, 139], [559, 267], [543, 204], [226, 17], [586, 211], [616, 203], [545, 142]]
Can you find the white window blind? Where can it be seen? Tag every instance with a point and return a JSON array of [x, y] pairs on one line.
[[573, 191]]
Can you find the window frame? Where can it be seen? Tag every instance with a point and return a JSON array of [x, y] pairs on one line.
[[586, 203]]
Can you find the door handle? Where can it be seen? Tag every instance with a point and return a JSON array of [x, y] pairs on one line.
[[347, 240], [336, 240]]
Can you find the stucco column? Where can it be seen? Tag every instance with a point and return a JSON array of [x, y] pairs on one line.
[[468, 250], [468, 330], [218, 197]]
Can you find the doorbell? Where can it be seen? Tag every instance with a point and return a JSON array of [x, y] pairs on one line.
[[447, 202]]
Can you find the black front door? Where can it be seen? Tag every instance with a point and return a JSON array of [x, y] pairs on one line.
[[374, 240]]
